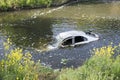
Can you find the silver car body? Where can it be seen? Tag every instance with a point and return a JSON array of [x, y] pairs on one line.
[[64, 36]]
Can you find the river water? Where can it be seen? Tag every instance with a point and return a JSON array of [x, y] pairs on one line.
[[33, 32]]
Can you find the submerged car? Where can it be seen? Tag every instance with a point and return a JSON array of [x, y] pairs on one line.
[[73, 38]]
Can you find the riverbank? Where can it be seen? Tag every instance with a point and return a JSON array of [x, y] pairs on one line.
[[11, 5]]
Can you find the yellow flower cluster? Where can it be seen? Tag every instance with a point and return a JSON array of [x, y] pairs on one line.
[[105, 51], [22, 65], [15, 56]]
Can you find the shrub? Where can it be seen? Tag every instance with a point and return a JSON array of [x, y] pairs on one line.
[[101, 66], [18, 66], [14, 4]]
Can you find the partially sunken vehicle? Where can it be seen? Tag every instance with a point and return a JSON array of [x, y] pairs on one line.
[[73, 38]]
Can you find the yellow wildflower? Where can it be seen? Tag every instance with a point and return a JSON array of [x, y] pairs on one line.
[[105, 51]]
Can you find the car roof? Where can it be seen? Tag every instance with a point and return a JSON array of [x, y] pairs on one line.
[[67, 34]]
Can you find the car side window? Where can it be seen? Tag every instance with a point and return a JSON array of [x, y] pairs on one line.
[[67, 42], [80, 39]]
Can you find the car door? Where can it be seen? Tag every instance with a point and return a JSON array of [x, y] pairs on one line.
[[67, 42]]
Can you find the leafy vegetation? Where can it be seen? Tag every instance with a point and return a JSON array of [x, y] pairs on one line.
[[17, 65], [18, 4], [102, 66], [14, 4]]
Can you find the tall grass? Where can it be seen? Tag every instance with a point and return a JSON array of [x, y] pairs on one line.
[[18, 66], [102, 66]]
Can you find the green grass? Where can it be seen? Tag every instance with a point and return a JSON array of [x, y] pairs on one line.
[[101, 66], [18, 66]]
